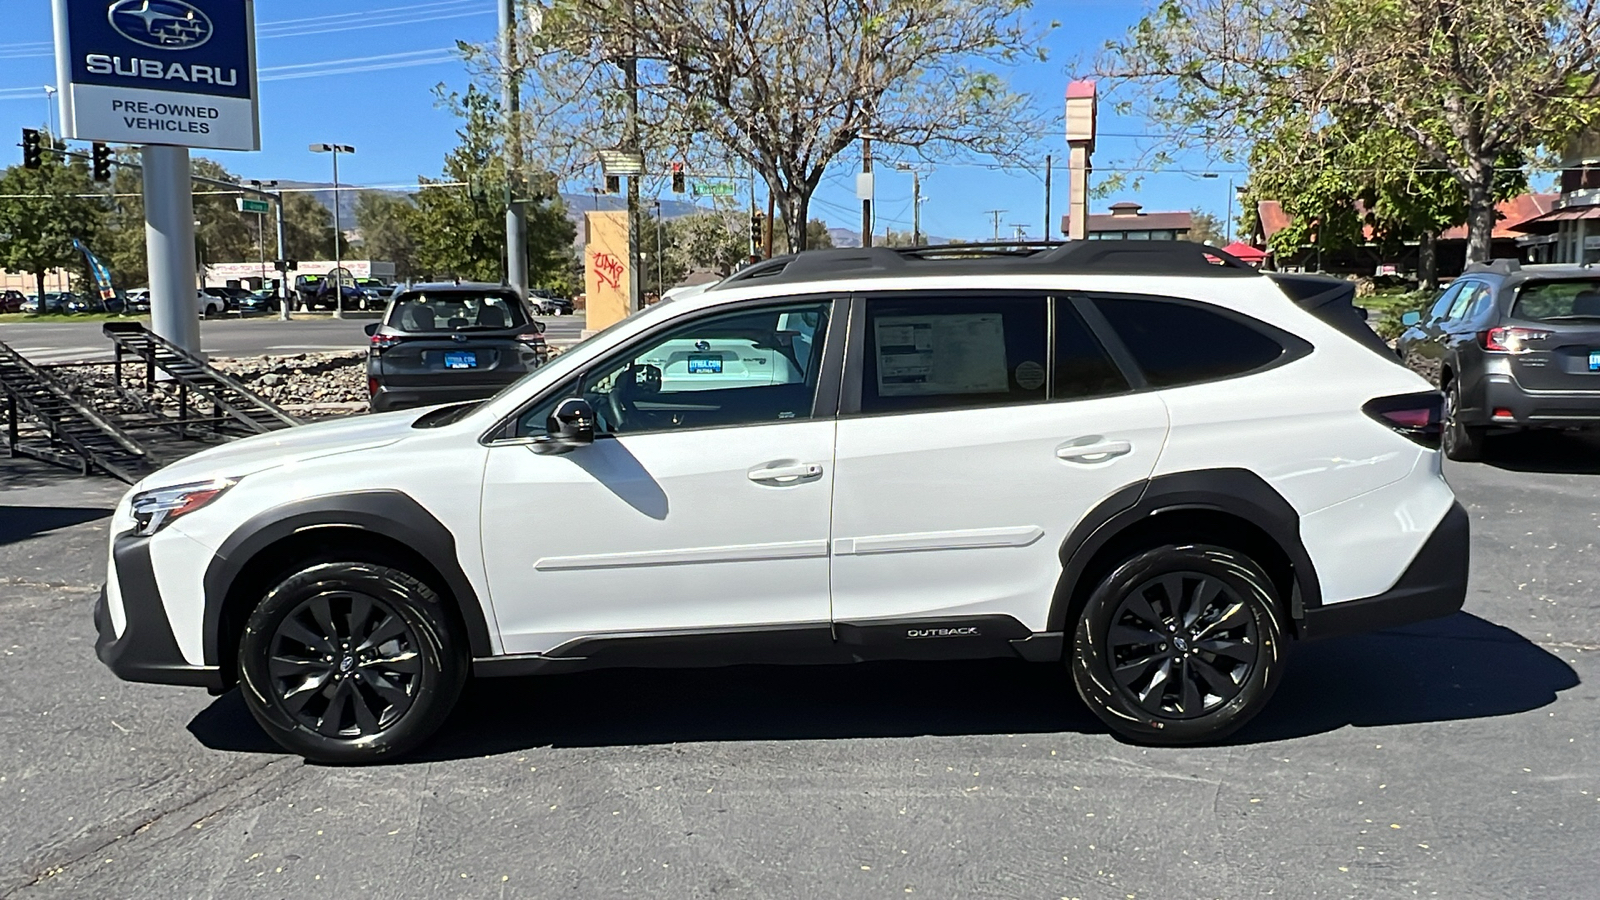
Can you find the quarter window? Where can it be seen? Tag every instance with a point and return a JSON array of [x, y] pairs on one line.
[[1183, 343], [928, 353]]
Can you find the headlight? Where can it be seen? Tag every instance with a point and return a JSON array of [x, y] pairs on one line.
[[153, 510]]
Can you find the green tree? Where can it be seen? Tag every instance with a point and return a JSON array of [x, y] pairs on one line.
[[780, 86], [308, 228], [385, 221], [1468, 84], [460, 231], [817, 236], [1205, 228], [58, 202]]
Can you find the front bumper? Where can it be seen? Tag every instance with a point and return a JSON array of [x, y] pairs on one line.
[[146, 650], [1433, 586], [1531, 408]]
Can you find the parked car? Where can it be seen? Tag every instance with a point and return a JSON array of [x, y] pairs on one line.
[[231, 297], [546, 303], [52, 302], [263, 301], [1513, 347], [208, 305], [316, 292], [374, 293], [1141, 462], [92, 303], [139, 300], [11, 301], [439, 343]]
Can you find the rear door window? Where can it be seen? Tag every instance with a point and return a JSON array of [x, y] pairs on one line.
[[1176, 343], [453, 311], [929, 353]]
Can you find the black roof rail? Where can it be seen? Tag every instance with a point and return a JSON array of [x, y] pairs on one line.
[[1044, 258], [1496, 266]]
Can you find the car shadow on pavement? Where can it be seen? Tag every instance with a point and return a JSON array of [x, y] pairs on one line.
[[1554, 452], [1458, 668], [19, 523]]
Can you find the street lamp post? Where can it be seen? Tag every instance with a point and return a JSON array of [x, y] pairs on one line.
[[50, 107], [338, 231], [916, 202]]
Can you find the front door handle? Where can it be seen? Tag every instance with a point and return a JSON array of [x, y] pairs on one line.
[[785, 473], [1098, 451]]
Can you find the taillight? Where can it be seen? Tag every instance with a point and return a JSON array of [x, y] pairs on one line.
[[1507, 339], [1419, 417], [372, 386], [381, 342], [531, 337]]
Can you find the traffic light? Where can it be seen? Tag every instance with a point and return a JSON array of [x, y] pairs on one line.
[[31, 156], [679, 182], [613, 184], [102, 162], [756, 220]]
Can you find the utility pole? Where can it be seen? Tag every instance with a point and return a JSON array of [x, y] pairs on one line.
[[510, 108], [866, 200], [1020, 237], [1049, 167], [916, 202], [996, 214], [284, 301]]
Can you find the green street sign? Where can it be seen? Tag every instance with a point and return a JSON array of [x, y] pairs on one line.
[[712, 188], [253, 206]]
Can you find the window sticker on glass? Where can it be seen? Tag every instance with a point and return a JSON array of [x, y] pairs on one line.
[[941, 354], [705, 365], [1030, 375]]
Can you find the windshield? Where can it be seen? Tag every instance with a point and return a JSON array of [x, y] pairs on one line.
[[1548, 301], [421, 313]]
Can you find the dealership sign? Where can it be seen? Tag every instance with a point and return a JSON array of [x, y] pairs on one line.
[[178, 72]]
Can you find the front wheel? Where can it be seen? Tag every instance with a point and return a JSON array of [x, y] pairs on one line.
[[1179, 645], [351, 662]]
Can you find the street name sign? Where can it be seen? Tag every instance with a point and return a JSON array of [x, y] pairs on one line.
[[180, 73], [253, 206], [713, 188]]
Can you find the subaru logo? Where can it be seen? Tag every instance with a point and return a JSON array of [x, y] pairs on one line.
[[163, 24]]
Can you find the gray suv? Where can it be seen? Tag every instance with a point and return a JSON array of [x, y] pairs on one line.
[[1512, 347], [441, 343]]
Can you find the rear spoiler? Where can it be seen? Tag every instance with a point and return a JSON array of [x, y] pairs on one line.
[[1333, 301]]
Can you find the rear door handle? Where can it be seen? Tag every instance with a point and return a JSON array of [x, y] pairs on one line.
[[785, 474], [1099, 451]]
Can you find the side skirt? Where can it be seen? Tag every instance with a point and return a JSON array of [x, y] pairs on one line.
[[819, 643]]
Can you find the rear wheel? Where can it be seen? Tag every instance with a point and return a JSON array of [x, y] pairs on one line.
[[1462, 442], [351, 662], [1179, 645]]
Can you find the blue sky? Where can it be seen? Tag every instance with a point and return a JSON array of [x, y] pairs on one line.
[[362, 72]]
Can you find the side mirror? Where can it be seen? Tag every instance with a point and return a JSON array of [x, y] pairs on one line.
[[1411, 318], [571, 426], [371, 329]]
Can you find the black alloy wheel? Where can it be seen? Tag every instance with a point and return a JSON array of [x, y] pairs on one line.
[[344, 665], [1179, 644], [1182, 644], [351, 662]]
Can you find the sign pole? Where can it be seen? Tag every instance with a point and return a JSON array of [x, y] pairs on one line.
[[169, 245]]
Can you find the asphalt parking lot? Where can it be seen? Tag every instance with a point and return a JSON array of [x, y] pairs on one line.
[[1456, 758]]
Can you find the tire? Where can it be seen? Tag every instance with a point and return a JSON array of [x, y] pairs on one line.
[[1231, 606], [364, 706], [1462, 442]]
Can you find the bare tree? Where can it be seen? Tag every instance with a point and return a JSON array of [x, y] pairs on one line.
[[1471, 83], [781, 88]]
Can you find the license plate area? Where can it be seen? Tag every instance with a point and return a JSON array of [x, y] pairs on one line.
[[460, 359], [705, 365], [1594, 360]]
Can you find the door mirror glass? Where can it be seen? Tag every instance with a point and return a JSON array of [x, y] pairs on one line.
[[1411, 318], [569, 427], [371, 329]]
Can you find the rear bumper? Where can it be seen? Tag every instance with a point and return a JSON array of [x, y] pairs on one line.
[[391, 398], [1537, 408], [146, 650], [1433, 586]]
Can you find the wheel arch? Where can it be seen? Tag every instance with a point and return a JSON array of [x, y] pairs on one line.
[[1234, 508], [373, 526]]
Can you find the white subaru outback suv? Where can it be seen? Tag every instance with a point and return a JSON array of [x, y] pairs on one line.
[[1146, 462]]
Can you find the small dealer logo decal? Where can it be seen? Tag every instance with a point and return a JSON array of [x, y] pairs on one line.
[[164, 24]]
